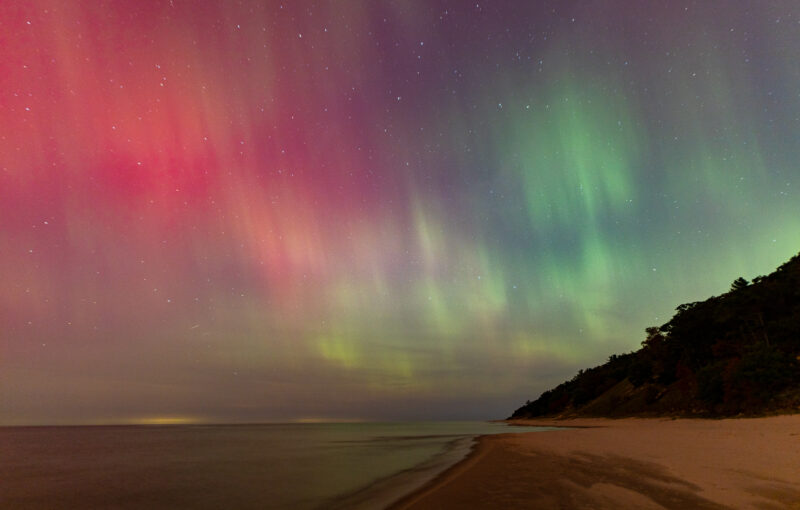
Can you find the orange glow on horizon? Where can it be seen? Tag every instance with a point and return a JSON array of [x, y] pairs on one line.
[[166, 420]]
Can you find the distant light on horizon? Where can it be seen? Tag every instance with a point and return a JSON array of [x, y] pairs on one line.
[[164, 420]]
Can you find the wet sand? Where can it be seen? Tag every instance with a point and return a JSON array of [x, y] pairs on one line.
[[628, 463]]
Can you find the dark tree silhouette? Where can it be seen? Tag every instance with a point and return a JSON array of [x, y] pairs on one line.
[[739, 283], [734, 353]]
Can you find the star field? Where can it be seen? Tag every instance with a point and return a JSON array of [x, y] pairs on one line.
[[265, 210]]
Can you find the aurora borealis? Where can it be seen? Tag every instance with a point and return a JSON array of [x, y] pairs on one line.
[[263, 210]]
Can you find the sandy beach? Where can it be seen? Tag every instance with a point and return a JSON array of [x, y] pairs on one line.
[[627, 463]]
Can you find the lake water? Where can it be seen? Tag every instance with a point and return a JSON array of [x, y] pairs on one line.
[[298, 466]]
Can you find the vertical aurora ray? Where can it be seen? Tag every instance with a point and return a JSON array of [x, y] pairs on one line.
[[257, 210]]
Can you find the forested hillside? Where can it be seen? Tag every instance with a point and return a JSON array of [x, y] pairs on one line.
[[738, 353]]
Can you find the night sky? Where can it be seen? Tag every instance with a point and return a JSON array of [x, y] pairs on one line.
[[254, 210]]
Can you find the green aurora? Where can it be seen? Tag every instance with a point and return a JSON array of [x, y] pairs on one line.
[[400, 211]]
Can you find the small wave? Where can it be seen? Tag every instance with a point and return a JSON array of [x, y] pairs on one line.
[[383, 439]]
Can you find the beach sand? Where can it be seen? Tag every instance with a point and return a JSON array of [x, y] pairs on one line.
[[627, 463]]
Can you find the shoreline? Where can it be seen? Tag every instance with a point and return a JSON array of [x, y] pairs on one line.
[[444, 476], [388, 491], [385, 492], [626, 463]]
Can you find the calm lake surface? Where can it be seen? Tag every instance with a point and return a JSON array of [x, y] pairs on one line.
[[298, 466]]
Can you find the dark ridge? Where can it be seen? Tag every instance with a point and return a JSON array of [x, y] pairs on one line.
[[734, 354]]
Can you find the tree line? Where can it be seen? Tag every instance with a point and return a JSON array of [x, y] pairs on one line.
[[737, 353]]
